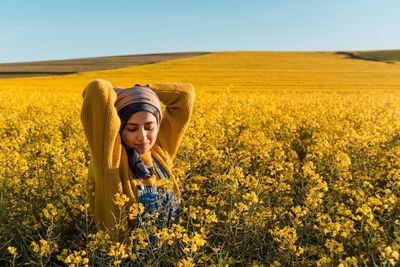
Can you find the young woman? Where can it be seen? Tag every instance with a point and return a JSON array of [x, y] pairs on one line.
[[132, 145]]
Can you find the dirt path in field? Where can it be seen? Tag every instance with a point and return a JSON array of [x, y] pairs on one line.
[[70, 66]]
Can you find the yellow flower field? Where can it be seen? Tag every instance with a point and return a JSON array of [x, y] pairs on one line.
[[290, 159]]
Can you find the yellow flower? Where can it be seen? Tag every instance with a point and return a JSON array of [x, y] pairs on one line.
[[135, 210], [186, 238], [68, 259], [275, 264], [35, 247], [251, 197], [194, 247], [211, 218], [186, 263], [334, 246], [77, 259], [198, 239], [120, 199], [12, 250], [118, 251]]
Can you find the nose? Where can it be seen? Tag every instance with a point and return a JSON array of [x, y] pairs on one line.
[[142, 135]]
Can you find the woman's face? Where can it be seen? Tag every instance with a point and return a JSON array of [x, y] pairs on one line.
[[140, 132]]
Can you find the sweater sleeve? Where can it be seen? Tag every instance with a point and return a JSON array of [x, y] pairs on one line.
[[101, 127], [178, 99]]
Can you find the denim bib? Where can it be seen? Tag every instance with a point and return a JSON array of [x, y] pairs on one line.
[[158, 199]]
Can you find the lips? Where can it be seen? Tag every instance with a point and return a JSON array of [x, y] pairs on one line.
[[142, 145]]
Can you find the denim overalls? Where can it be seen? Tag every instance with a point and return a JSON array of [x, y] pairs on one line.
[[158, 200]]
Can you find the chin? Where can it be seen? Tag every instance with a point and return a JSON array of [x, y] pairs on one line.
[[142, 150]]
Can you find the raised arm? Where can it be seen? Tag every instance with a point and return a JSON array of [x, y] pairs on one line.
[[178, 99], [101, 124]]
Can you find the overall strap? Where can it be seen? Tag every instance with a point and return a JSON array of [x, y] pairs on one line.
[[159, 169]]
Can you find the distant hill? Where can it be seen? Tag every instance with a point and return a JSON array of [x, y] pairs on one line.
[[70, 66], [388, 56]]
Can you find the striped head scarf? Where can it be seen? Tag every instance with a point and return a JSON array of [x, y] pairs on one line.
[[135, 99]]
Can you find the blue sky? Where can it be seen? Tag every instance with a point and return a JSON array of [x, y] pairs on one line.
[[33, 30]]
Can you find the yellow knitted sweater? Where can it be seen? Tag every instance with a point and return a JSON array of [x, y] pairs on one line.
[[109, 171]]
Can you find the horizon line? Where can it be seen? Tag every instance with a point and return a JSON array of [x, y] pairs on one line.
[[211, 51]]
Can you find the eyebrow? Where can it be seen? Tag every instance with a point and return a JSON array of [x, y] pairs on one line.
[[135, 124]]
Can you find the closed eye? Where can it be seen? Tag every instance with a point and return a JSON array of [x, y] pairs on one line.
[[148, 129]]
